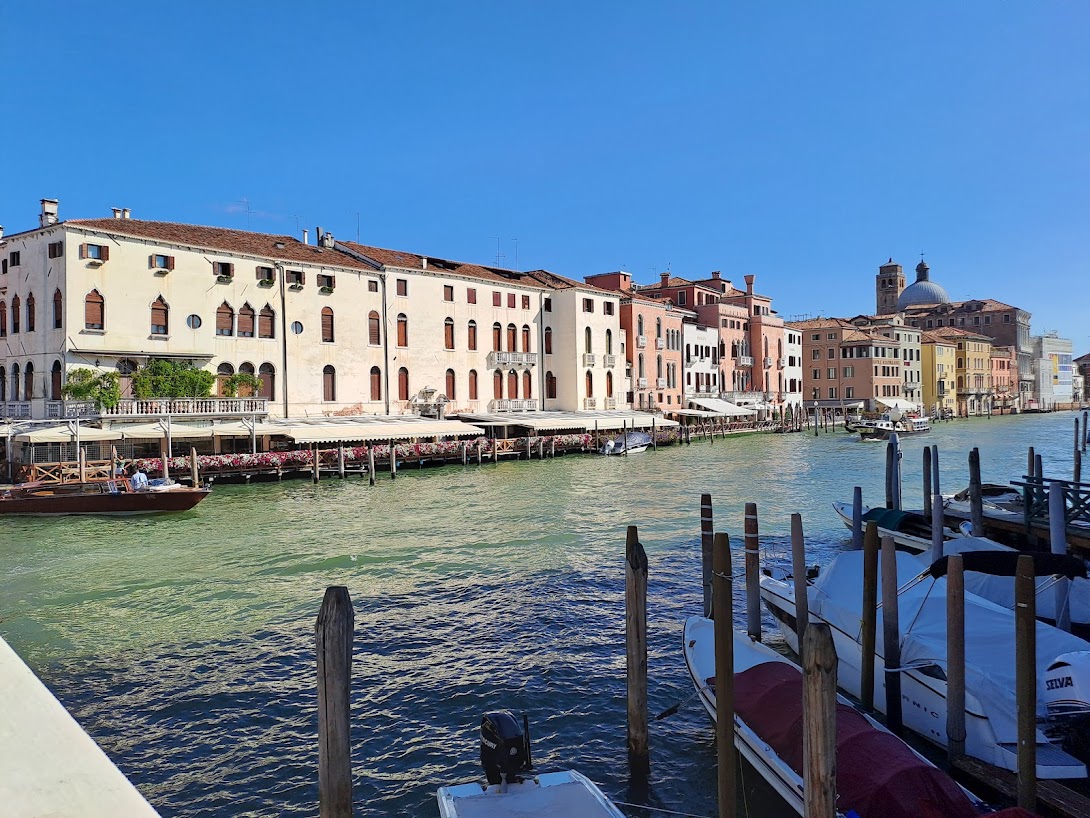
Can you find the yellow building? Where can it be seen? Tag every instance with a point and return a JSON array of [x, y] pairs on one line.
[[974, 370], [939, 374]]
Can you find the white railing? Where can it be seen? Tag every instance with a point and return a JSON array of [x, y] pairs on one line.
[[15, 409], [590, 403], [609, 361], [498, 359], [641, 383], [660, 343], [641, 341], [588, 359], [190, 406], [513, 406], [611, 403], [734, 397], [660, 383], [745, 360], [70, 409]]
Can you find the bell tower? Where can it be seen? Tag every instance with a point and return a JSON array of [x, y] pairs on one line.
[[888, 285]]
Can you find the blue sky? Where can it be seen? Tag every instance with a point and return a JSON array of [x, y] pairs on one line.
[[802, 142]]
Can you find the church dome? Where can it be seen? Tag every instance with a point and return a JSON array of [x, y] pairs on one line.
[[922, 290]]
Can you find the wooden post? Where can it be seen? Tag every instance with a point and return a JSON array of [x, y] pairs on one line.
[[635, 598], [1039, 473], [314, 455], [552, 446], [340, 460], [707, 531], [1057, 537], [819, 722], [1077, 441], [83, 465], [371, 464], [113, 462], [1031, 463], [194, 475], [724, 675], [495, 450], [889, 472], [393, 460], [898, 484], [753, 573], [976, 498], [938, 518], [597, 445], [798, 570], [926, 481], [1085, 427], [1025, 680], [541, 448], [1077, 471], [870, 614], [465, 453], [529, 447], [857, 518], [654, 437], [333, 642], [891, 636], [955, 657], [479, 444]]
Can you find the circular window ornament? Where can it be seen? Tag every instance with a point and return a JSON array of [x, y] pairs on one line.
[[297, 327], [193, 322]]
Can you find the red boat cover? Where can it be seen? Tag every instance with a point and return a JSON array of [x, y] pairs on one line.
[[877, 774]]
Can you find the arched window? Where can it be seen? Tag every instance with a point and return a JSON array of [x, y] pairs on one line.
[[590, 384], [448, 335], [244, 390], [658, 327], [639, 369], [3, 384], [497, 385], [327, 325], [374, 329], [766, 346], [58, 309], [246, 321], [55, 381], [16, 305], [15, 382], [225, 320], [588, 341], [471, 338], [160, 317], [548, 340], [329, 383], [779, 348], [267, 373], [473, 384], [525, 338], [550, 385], [639, 325], [609, 342], [28, 381], [30, 313], [223, 373], [658, 366], [450, 384], [266, 323], [513, 385], [512, 338], [125, 369], [3, 319], [527, 385], [402, 331], [609, 383], [403, 384], [376, 383], [497, 337]]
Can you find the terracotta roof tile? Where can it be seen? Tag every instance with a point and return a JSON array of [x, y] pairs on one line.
[[415, 261]]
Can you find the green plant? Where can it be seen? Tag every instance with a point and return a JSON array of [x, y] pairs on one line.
[[167, 379], [241, 381], [102, 388]]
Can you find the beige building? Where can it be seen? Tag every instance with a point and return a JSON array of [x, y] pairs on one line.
[[939, 371]]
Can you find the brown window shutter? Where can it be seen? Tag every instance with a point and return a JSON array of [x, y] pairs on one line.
[[94, 311], [473, 384], [225, 320], [151, 261], [376, 383], [327, 324], [450, 384], [403, 384], [83, 251], [170, 262], [105, 255], [246, 322], [266, 322], [402, 332], [448, 335], [374, 330]]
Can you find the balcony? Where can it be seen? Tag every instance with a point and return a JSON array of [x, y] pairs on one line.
[[660, 383], [15, 409], [781, 363], [609, 361], [641, 341], [660, 343], [188, 406], [611, 403], [641, 383], [768, 362], [513, 406], [588, 359], [70, 409], [590, 403], [497, 360], [752, 397], [744, 360]]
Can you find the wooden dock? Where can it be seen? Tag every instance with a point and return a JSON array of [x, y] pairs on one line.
[[1060, 799]]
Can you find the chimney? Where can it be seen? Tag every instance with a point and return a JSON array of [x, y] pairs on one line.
[[715, 274], [327, 240], [49, 213], [306, 239], [665, 277], [423, 262], [1, 231], [126, 213], [318, 236], [117, 212], [749, 285]]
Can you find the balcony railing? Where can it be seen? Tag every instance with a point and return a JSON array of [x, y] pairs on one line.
[[500, 359], [660, 383], [590, 403], [588, 359], [768, 362], [190, 406], [70, 409], [641, 341], [660, 343], [609, 361], [15, 409], [641, 383], [611, 403], [513, 406], [782, 363], [744, 360], [734, 397]]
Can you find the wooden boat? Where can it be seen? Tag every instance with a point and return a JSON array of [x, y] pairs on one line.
[[878, 775], [909, 529], [114, 497], [882, 428]]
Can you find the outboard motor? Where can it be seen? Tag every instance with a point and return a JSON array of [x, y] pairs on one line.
[[1067, 701], [505, 748]]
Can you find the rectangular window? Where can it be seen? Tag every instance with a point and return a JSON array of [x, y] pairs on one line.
[[849, 392], [831, 336], [265, 274], [372, 286], [832, 353], [987, 319], [681, 299], [296, 277], [832, 392], [402, 287], [548, 305], [497, 299], [510, 301], [223, 268], [1007, 318], [526, 302], [4, 267], [816, 336], [849, 372], [816, 374], [56, 249], [471, 295], [607, 308], [588, 305], [815, 354], [15, 258], [830, 373], [95, 252], [161, 262], [326, 282], [448, 292]]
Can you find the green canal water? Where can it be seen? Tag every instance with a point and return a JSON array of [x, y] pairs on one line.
[[184, 644]]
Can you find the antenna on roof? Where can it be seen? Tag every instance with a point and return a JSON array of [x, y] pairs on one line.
[[357, 227], [516, 241], [249, 210], [499, 255]]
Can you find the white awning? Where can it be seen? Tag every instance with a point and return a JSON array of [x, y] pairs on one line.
[[66, 434], [241, 429], [571, 421], [693, 413], [158, 430], [721, 407], [384, 429], [899, 403]]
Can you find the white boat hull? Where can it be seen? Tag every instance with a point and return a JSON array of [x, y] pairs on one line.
[[906, 541], [568, 794]]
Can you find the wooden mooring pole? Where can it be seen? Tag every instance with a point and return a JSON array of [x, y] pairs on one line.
[[635, 598], [870, 614], [371, 464], [926, 481], [479, 445], [82, 465], [898, 483], [1076, 473], [798, 570], [393, 460], [976, 497], [707, 532], [465, 453], [723, 596], [333, 643], [314, 462], [1057, 538], [857, 518], [938, 519], [889, 473], [819, 722], [1085, 429], [1039, 473], [194, 474], [891, 636], [753, 573], [1031, 462], [1025, 680], [340, 460], [955, 657]]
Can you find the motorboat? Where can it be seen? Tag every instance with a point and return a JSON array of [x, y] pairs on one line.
[[909, 529], [891, 422], [513, 789], [628, 443], [119, 496], [877, 774], [835, 597]]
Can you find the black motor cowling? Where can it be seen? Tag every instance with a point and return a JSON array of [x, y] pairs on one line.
[[505, 747]]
